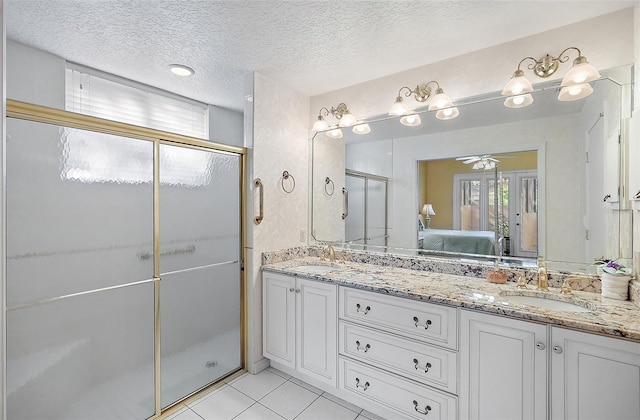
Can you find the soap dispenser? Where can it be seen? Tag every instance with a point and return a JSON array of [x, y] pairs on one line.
[[543, 283]]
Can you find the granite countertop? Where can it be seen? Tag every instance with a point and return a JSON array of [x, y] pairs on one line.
[[605, 316]]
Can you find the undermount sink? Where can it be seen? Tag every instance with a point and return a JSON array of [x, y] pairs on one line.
[[544, 303], [314, 268]]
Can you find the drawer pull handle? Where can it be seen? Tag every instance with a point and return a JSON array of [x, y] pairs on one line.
[[362, 349], [426, 409], [364, 387], [427, 324], [425, 369], [366, 310]]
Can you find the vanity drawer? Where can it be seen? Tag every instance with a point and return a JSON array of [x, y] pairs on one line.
[[409, 399], [430, 365], [435, 324]]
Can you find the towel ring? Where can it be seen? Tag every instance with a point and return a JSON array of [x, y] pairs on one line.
[[287, 175], [327, 182]]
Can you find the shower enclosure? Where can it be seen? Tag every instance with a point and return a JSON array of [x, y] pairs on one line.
[[123, 266]]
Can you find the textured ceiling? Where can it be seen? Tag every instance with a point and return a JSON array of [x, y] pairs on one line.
[[311, 46]]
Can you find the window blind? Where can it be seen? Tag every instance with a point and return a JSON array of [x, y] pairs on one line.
[[106, 96]]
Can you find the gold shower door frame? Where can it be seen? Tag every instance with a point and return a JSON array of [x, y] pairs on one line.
[[37, 113]]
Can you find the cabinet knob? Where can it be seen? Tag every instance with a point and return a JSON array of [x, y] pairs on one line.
[[540, 346], [366, 310], [291, 289], [426, 408], [557, 349], [297, 290]]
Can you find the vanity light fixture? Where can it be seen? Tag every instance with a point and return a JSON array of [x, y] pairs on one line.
[[440, 102], [181, 70], [575, 84], [334, 132], [345, 119]]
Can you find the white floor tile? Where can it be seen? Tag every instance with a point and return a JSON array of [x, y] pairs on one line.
[[289, 400], [323, 409], [278, 372], [187, 415], [257, 386], [258, 412], [223, 405], [371, 416], [342, 402], [306, 386], [230, 381]]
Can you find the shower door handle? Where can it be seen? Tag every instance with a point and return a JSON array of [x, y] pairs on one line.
[[258, 184], [345, 194]]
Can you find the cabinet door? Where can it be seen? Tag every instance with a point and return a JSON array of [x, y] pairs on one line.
[[279, 322], [594, 377], [503, 368], [317, 330]]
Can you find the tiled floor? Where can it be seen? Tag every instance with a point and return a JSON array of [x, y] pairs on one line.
[[269, 395]]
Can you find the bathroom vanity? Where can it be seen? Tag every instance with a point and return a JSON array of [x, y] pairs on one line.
[[406, 343]]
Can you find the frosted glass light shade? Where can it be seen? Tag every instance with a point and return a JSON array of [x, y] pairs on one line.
[[581, 72], [362, 128], [447, 113], [517, 84], [519, 101], [575, 92], [347, 120], [411, 120], [399, 107], [334, 133], [320, 124], [440, 101]]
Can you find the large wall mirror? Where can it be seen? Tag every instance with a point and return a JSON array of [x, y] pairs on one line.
[[539, 180]]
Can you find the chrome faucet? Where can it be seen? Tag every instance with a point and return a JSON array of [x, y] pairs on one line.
[[543, 278]]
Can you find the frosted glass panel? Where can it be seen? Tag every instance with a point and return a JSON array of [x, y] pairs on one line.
[[200, 214], [87, 357], [200, 323], [354, 223], [78, 217]]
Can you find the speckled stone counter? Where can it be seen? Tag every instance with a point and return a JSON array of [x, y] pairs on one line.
[[606, 316]]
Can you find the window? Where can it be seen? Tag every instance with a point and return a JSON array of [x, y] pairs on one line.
[[106, 96], [86, 157]]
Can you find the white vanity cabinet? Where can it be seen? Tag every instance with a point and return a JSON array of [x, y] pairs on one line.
[[594, 377], [398, 354], [503, 368], [300, 325]]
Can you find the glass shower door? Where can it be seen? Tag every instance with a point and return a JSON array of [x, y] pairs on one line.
[[200, 305], [79, 290]]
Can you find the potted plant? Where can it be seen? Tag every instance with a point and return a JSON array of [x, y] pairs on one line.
[[615, 279]]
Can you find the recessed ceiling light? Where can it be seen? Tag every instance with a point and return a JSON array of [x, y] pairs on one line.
[[181, 70]]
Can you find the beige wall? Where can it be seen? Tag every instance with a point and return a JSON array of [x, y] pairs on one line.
[[276, 148]]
